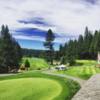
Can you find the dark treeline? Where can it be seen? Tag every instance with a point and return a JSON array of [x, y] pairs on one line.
[[85, 47], [10, 51], [38, 53], [33, 53]]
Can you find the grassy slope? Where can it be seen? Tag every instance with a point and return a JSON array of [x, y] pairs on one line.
[[29, 86], [36, 63], [83, 69]]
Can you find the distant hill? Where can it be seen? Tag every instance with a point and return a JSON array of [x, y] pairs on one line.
[[36, 63]]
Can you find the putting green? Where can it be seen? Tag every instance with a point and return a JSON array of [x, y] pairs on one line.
[[29, 89]]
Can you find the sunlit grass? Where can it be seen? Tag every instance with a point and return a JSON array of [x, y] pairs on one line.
[[83, 69], [36, 63], [34, 85], [29, 89]]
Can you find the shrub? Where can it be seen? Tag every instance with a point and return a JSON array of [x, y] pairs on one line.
[[27, 64]]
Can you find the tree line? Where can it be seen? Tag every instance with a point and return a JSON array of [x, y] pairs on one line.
[[10, 51], [85, 47], [33, 53]]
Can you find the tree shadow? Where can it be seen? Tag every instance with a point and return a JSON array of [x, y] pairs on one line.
[[78, 64]]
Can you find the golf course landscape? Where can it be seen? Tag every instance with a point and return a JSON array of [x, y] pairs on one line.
[[34, 85], [37, 85], [50, 50], [83, 69], [35, 63]]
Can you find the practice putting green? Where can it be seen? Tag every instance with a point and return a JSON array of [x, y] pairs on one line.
[[29, 89]]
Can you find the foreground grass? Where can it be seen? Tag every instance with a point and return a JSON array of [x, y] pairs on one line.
[[36, 63], [28, 88], [83, 69], [36, 86]]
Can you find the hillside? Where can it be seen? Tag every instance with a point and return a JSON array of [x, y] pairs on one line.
[[36, 63]]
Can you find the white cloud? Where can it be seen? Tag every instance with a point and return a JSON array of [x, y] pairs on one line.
[[65, 16]]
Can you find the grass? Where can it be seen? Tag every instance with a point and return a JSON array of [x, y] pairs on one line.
[[36, 86], [83, 69], [15, 90], [36, 63]]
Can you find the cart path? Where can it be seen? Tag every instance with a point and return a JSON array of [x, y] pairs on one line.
[[91, 89]]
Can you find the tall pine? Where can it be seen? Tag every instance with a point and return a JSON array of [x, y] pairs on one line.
[[49, 46], [10, 51]]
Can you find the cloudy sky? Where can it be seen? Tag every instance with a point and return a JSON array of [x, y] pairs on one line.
[[29, 20]]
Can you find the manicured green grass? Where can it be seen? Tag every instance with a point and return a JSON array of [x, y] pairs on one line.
[[36, 86], [36, 63], [28, 88], [83, 69]]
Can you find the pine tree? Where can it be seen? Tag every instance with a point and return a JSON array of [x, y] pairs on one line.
[[61, 53], [86, 47], [49, 45], [97, 43], [27, 64], [75, 48], [80, 47], [87, 42], [9, 56], [93, 46], [69, 56]]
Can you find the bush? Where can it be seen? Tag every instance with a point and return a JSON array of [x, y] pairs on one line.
[[27, 64]]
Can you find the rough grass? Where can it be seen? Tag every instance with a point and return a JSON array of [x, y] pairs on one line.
[[36, 86], [36, 63], [83, 69]]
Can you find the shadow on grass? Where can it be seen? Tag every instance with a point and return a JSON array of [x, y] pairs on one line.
[[79, 64]]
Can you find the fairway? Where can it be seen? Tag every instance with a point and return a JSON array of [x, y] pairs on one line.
[[36, 63], [29, 89], [83, 69]]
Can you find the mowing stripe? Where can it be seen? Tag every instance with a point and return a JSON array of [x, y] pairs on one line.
[[94, 71], [87, 70], [81, 70]]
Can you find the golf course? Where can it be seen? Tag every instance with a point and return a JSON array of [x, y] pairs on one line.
[[41, 60], [34, 85], [35, 63], [83, 69]]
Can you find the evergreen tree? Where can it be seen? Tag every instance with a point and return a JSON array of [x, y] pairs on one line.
[[61, 50], [49, 45], [80, 47], [27, 64], [86, 47], [61, 53], [9, 51], [93, 46], [69, 56], [97, 43], [87, 42], [17, 54], [75, 48]]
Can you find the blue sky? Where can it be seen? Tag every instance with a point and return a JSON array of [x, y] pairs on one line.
[[29, 20]]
